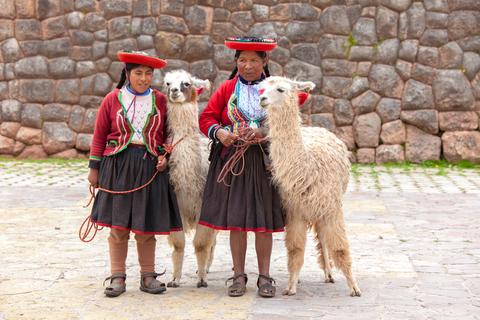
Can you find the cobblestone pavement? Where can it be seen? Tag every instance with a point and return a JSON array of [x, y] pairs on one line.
[[413, 232]]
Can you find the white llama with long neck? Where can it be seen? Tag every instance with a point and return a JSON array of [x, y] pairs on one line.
[[188, 165], [311, 168]]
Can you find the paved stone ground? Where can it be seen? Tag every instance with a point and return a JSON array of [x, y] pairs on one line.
[[413, 232]]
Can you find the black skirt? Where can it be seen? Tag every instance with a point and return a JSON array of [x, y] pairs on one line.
[[249, 203], [151, 210]]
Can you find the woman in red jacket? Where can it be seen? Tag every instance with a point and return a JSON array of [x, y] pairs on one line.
[[249, 202], [129, 132]]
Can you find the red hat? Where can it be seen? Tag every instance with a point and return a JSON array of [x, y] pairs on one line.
[[140, 57], [251, 43]]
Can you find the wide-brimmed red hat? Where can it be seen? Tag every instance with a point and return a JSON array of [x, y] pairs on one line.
[[140, 57], [250, 43]]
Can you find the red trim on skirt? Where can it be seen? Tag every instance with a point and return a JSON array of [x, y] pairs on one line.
[[206, 224], [138, 231]]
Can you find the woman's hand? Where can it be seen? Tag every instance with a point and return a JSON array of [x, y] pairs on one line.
[[247, 133], [93, 177], [162, 163], [226, 137]]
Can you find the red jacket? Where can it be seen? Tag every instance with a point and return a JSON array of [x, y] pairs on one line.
[[113, 131], [215, 113]]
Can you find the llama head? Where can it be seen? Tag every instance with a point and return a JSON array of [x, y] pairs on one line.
[[182, 87], [280, 91]]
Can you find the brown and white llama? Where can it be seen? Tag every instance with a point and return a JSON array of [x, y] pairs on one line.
[[188, 165], [312, 169]]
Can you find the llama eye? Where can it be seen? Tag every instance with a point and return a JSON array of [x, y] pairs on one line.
[[186, 84], [280, 90], [168, 84]]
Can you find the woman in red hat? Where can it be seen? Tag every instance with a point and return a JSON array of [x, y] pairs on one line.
[[249, 202], [125, 153]]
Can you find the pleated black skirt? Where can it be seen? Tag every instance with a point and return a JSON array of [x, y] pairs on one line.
[[151, 210], [247, 202]]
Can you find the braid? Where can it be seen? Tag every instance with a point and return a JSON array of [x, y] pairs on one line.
[[123, 78], [233, 74], [266, 71]]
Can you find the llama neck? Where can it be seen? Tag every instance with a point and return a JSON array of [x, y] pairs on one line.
[[284, 131], [183, 119]]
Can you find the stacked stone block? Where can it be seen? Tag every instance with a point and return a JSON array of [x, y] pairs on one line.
[[396, 79]]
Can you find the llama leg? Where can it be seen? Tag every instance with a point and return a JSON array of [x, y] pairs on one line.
[[177, 241], [295, 240], [337, 242], [212, 251], [204, 237], [323, 256]]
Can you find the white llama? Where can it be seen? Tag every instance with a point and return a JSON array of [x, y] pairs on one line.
[[311, 168], [188, 165]]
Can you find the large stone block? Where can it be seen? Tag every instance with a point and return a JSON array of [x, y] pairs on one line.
[[56, 112], [223, 57], [299, 31], [85, 5], [361, 53], [386, 23], [169, 45], [452, 91], [334, 20], [303, 71], [331, 46], [364, 31], [84, 141], [56, 48], [423, 73], [393, 132], [332, 67], [336, 87], [85, 68], [67, 91], [62, 68], [204, 69], [471, 63], [235, 5], [32, 115], [168, 23], [87, 101], [76, 118], [437, 5], [389, 109], [462, 24], [458, 121], [142, 8], [57, 137], [28, 29], [49, 8], [323, 120], [365, 103], [461, 145], [199, 19], [451, 56], [398, 5], [8, 9], [6, 145], [389, 153], [9, 129], [346, 135], [404, 69], [429, 56], [416, 21], [385, 81], [434, 37], [387, 51], [366, 130], [427, 120], [198, 48], [321, 104], [125, 44], [31, 47], [82, 38], [343, 112], [366, 155], [36, 90], [359, 86], [102, 84], [436, 20], [308, 53], [421, 146], [33, 152], [10, 50], [94, 21], [221, 29], [29, 136], [75, 19], [32, 67], [119, 28], [408, 50], [417, 96], [54, 27], [116, 8]]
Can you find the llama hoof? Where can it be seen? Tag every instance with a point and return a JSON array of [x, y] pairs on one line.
[[289, 292], [355, 292], [173, 284], [202, 284], [329, 279]]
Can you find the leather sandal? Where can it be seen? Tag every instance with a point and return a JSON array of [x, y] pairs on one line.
[[237, 289], [115, 289], [266, 290], [155, 286]]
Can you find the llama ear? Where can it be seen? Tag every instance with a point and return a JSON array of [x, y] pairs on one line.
[[200, 84], [306, 86]]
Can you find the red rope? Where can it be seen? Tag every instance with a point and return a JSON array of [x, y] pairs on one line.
[[88, 224], [239, 154]]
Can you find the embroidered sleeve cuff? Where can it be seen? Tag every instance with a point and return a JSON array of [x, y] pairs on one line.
[[212, 130], [94, 162]]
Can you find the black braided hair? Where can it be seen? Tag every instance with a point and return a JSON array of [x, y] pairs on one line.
[[261, 54], [123, 77]]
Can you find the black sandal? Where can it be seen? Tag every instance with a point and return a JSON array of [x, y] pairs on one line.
[[115, 289], [237, 289], [266, 290], [155, 286]]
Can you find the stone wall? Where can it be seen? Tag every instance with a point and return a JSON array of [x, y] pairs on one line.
[[396, 79]]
